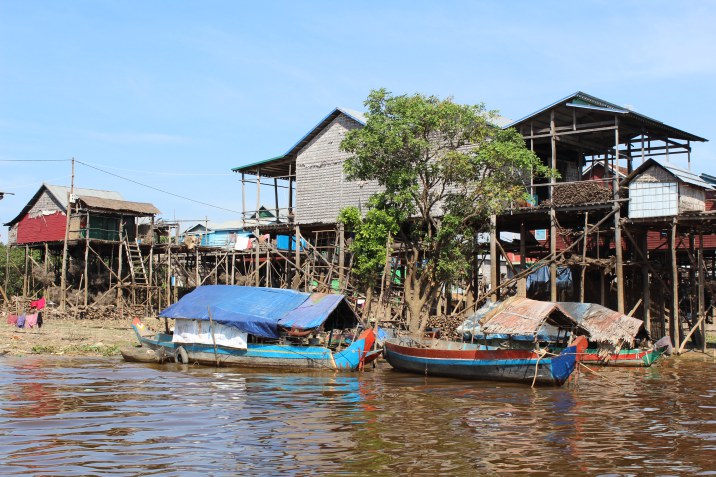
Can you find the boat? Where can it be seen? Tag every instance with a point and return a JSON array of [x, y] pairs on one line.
[[226, 325], [433, 357], [531, 362], [633, 357], [612, 336]]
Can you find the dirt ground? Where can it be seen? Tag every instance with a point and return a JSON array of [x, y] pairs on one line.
[[69, 336]]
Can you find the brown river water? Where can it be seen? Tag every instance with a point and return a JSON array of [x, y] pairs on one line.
[[103, 417]]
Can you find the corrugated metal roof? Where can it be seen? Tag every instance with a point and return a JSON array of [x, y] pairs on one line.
[[585, 101], [681, 174], [278, 166], [140, 208], [522, 316], [603, 324], [60, 193]]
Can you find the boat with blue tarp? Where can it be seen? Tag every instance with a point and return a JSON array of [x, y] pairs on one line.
[[226, 325]]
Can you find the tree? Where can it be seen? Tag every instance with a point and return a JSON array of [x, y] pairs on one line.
[[444, 169]]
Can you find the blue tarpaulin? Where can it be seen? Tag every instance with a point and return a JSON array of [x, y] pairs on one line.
[[257, 311], [538, 281]]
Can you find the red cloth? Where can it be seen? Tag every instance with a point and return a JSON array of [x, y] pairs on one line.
[[11, 319], [39, 304]]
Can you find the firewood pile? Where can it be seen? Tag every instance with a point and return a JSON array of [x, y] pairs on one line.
[[585, 192], [97, 312], [447, 324]]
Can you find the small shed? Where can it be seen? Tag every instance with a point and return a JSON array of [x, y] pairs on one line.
[[96, 214], [658, 189]]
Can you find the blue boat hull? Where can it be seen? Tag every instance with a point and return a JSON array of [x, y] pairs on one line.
[[472, 362], [289, 357]]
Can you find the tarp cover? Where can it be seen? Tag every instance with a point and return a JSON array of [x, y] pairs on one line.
[[257, 311], [195, 331]]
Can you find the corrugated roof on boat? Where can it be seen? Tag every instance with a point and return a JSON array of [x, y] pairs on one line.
[[257, 311], [518, 315], [603, 324]]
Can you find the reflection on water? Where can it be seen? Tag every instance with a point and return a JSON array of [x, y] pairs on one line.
[[72, 417]]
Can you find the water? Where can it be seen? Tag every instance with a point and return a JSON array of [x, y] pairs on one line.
[[103, 417]]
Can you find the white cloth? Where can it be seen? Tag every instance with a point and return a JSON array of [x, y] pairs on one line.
[[199, 331], [243, 242]]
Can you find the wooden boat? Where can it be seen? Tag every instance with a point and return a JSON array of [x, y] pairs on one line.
[[474, 361], [221, 325], [624, 358]]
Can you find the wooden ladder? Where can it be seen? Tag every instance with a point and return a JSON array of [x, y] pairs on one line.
[[135, 261]]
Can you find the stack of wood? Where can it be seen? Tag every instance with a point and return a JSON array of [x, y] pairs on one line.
[[577, 193], [447, 324]]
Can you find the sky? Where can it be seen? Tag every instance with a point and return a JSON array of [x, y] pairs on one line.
[[159, 99]]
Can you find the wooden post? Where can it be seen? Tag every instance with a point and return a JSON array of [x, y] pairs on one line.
[[675, 323], [701, 297], [68, 212], [169, 275], [646, 286], [197, 277], [341, 257], [617, 222], [584, 259], [275, 194], [86, 267], [233, 267], [120, 281], [243, 201], [693, 297], [494, 260], [150, 285], [27, 267], [552, 213], [258, 259], [297, 247], [522, 282]]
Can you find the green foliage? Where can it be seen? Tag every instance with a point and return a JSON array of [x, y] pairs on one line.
[[370, 237], [445, 168]]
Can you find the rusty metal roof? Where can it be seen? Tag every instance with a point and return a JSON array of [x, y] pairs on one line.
[[522, 316], [136, 208], [603, 324]]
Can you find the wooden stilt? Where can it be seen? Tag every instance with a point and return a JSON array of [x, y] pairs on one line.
[[120, 283], [584, 259], [341, 258], [86, 294], [522, 282], [675, 324], [552, 214], [702, 284], [494, 260], [617, 223], [646, 285]]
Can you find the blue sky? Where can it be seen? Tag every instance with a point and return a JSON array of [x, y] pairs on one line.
[[175, 93]]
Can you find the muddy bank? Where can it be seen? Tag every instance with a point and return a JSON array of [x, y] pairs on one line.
[[70, 336]]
